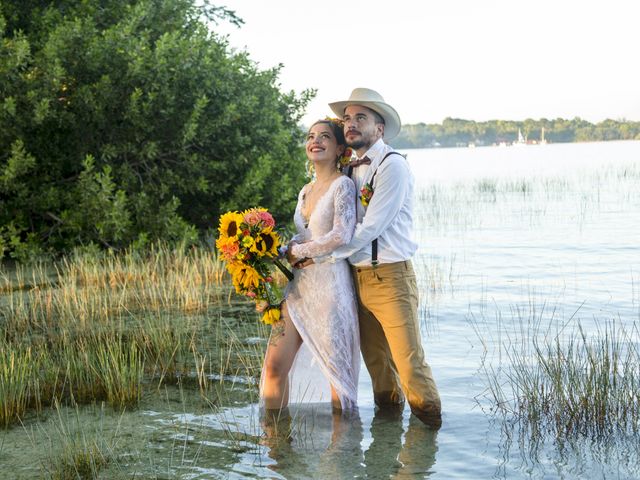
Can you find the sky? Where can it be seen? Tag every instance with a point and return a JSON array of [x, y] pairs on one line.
[[473, 59]]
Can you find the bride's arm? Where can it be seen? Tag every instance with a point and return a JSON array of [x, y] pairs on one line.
[[344, 222]]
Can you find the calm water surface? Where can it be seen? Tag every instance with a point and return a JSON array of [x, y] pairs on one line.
[[509, 238]]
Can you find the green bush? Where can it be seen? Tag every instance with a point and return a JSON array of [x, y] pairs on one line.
[[127, 121]]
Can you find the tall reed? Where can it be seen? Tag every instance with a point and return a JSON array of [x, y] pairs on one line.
[[16, 383], [120, 368], [571, 383]]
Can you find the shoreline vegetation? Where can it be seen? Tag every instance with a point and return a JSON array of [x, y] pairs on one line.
[[110, 330], [455, 132], [106, 328]]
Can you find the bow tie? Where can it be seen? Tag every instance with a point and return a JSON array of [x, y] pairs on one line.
[[363, 161]]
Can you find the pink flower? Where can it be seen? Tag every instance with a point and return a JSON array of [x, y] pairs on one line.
[[267, 219], [252, 217], [261, 305], [251, 294]]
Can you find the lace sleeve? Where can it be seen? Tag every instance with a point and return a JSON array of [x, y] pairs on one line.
[[344, 222]]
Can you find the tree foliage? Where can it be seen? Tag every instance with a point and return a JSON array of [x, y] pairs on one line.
[[453, 132], [126, 121]]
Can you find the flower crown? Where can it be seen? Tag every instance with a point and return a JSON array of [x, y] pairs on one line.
[[348, 152], [336, 121]]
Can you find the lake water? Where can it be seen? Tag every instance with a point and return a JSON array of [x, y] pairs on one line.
[[513, 241]]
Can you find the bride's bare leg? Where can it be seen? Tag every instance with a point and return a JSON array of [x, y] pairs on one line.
[[283, 346], [335, 400]]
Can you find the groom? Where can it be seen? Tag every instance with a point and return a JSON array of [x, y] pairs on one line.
[[380, 254]]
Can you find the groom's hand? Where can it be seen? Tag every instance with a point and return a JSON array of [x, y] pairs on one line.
[[305, 262]]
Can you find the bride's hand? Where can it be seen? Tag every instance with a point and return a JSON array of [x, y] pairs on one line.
[[297, 262], [290, 258]]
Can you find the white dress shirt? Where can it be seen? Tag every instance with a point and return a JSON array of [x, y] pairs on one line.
[[389, 215]]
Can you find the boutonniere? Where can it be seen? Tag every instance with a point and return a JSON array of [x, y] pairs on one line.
[[366, 192]]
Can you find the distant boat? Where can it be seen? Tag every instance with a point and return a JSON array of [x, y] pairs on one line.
[[521, 139]]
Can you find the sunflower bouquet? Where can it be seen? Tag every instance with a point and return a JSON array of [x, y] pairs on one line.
[[249, 245]]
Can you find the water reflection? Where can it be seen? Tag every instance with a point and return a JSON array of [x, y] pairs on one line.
[[389, 457], [529, 447], [308, 442]]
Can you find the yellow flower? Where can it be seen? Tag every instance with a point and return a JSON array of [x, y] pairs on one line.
[[271, 315], [237, 272], [345, 158], [233, 267], [244, 277], [247, 242], [230, 224], [266, 244]]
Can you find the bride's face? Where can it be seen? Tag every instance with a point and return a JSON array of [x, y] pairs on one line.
[[322, 145]]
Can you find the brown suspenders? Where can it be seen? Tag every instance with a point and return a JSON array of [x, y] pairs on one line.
[[374, 243]]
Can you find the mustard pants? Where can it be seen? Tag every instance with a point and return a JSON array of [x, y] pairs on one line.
[[390, 337]]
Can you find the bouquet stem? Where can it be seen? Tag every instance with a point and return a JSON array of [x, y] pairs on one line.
[[287, 273]]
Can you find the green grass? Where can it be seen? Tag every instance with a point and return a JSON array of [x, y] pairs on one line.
[[77, 451], [568, 382], [16, 383], [108, 328]]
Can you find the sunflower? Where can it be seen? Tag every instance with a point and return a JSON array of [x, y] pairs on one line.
[[230, 224], [245, 278], [272, 240], [271, 315], [266, 244]]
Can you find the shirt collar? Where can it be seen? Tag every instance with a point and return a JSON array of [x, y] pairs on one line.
[[375, 150]]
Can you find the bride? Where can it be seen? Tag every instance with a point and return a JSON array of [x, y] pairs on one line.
[[319, 326]]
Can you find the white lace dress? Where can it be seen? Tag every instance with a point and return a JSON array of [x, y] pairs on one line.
[[322, 304]]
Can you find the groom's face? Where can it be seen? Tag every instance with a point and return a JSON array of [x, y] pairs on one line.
[[360, 128]]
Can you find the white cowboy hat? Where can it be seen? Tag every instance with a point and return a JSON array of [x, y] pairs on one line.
[[373, 100]]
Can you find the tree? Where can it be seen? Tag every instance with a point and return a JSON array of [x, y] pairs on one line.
[[130, 120]]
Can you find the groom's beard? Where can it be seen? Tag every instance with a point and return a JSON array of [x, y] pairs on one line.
[[361, 141], [357, 144]]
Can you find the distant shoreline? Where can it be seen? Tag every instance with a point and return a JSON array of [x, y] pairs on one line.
[[453, 132], [512, 145]]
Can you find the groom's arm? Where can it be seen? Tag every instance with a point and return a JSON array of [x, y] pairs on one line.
[[387, 200]]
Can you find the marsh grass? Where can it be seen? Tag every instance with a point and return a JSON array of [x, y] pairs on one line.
[[16, 383], [461, 205], [84, 463], [121, 369], [565, 380], [107, 327], [76, 451], [86, 291]]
